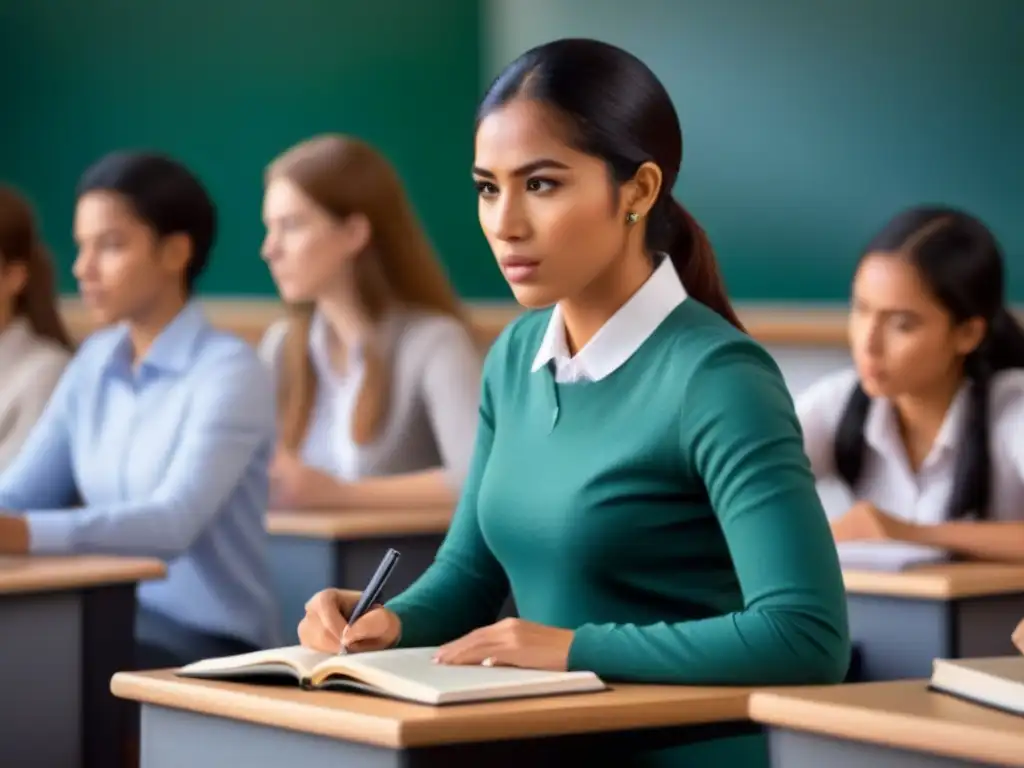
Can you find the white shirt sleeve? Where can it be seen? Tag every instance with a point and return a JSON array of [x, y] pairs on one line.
[[820, 408], [1006, 414]]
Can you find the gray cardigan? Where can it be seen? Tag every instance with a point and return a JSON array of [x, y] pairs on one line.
[[434, 403]]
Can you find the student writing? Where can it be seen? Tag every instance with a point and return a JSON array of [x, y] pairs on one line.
[[34, 344], [639, 483], [927, 430], [378, 376], [158, 437]]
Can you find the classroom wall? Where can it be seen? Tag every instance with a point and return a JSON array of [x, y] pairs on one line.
[[806, 124], [227, 85]]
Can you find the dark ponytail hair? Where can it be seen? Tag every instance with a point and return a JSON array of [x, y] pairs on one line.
[[20, 244], [619, 111], [960, 261]]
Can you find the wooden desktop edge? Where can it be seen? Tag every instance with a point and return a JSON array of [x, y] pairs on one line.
[[19, 575], [949, 581], [878, 714], [396, 725], [816, 327], [359, 523]]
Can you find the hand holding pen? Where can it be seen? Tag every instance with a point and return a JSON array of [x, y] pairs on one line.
[[347, 621]]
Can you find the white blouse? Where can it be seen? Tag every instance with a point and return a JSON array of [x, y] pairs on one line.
[[436, 371], [887, 480], [30, 368]]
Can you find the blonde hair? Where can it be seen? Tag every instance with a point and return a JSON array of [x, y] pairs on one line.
[[20, 244], [344, 176]]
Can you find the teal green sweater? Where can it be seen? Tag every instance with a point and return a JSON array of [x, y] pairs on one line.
[[667, 513]]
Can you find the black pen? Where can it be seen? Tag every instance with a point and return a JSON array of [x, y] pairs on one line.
[[373, 589]]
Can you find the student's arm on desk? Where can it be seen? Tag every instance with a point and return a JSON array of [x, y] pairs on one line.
[[740, 434], [465, 587], [231, 417], [41, 474]]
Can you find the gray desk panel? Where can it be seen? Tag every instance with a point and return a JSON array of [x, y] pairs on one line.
[[174, 738], [795, 749], [58, 651], [899, 637]]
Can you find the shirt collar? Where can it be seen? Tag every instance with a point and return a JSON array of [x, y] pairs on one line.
[[172, 350], [14, 339], [623, 334], [881, 430]]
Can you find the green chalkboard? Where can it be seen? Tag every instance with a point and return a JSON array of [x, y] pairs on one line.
[[807, 123], [226, 85]]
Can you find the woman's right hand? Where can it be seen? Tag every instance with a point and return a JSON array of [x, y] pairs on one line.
[[324, 627]]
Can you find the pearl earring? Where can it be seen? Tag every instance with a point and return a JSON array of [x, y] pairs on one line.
[[632, 217]]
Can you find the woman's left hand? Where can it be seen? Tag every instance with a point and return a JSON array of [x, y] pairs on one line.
[[293, 485], [1018, 636], [866, 522], [13, 535], [511, 643]]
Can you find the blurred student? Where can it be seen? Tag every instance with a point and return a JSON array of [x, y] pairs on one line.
[[639, 483], [158, 437], [34, 344], [378, 375], [927, 430]]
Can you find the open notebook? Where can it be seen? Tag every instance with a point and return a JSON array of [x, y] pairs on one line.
[[403, 673], [887, 555], [996, 682]]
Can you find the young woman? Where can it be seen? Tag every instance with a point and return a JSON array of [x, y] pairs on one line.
[[34, 345], [639, 482], [927, 431], [378, 376], [158, 438]]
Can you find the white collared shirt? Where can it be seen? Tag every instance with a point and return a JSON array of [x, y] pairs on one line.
[[31, 367], [887, 480], [620, 337]]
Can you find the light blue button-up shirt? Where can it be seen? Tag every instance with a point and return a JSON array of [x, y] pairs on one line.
[[168, 459]]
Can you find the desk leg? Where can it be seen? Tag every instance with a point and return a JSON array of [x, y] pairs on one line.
[[797, 749], [175, 738], [108, 646], [897, 637]]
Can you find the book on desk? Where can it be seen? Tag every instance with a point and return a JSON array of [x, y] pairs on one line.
[[997, 682], [406, 673]]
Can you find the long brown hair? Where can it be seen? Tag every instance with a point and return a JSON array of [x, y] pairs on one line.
[[344, 175], [20, 244]]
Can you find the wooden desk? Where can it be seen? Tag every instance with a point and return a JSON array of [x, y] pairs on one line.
[[894, 724], [901, 621], [66, 625], [204, 724], [787, 325], [313, 550]]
